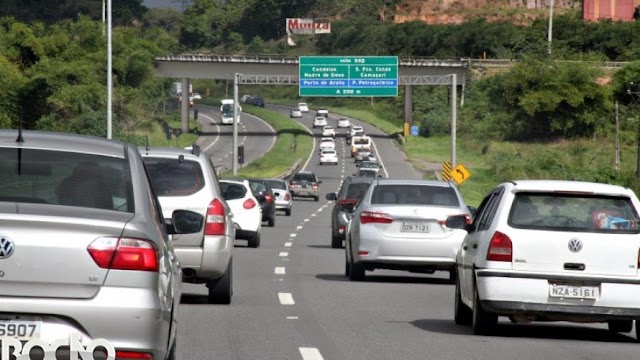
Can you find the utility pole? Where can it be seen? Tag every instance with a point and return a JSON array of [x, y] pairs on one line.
[[634, 91], [617, 139], [454, 115], [550, 33], [109, 73], [236, 119]]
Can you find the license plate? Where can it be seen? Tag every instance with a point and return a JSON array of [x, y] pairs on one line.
[[573, 291], [21, 330], [415, 227]]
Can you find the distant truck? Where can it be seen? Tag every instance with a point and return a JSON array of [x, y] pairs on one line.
[[176, 92]]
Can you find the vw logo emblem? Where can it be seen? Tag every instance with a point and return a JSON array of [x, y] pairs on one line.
[[6, 247], [575, 245]]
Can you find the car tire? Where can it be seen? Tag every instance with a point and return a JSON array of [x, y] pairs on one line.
[[347, 267], [221, 290], [271, 222], [316, 198], [453, 276], [620, 326], [287, 212], [171, 355], [482, 322], [356, 272], [462, 315], [336, 242], [254, 241]]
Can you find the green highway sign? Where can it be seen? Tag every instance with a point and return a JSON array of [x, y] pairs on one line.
[[348, 76]]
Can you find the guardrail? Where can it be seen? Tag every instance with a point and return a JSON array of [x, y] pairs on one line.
[[296, 166]]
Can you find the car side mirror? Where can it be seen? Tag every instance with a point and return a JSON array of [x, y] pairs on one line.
[[456, 222], [473, 210], [185, 222], [319, 181], [331, 196]]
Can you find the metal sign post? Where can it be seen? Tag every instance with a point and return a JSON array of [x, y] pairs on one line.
[[236, 118], [454, 108]]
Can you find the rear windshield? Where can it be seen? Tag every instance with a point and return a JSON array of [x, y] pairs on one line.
[[573, 212], [171, 177], [304, 177], [415, 195], [257, 186], [364, 141], [232, 191], [356, 190], [65, 178], [277, 184]]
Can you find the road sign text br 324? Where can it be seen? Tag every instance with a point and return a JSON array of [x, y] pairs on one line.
[[348, 76]]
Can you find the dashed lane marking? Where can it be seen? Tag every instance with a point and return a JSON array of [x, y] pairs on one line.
[[310, 353], [279, 270], [284, 254], [286, 299]]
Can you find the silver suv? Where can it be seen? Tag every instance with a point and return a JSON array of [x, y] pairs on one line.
[[186, 179], [83, 245]]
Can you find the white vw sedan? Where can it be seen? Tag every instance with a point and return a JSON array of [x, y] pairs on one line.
[[551, 251]]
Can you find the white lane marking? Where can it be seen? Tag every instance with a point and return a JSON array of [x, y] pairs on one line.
[[284, 254], [287, 244], [313, 214], [279, 270], [384, 168], [292, 318], [286, 299], [320, 210], [310, 353], [217, 132], [306, 220], [299, 227], [293, 235]]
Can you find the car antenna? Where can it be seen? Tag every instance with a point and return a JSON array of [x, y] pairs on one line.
[[147, 147], [20, 139]]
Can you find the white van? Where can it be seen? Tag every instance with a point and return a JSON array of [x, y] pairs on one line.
[[360, 143]]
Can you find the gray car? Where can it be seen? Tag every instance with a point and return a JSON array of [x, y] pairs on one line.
[[84, 247], [186, 179], [282, 194], [400, 225], [351, 192]]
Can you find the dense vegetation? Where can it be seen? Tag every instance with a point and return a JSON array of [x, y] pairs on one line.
[[53, 65]]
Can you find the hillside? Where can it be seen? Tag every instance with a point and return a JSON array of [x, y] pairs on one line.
[[458, 11]]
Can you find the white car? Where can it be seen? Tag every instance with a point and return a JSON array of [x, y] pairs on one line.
[[328, 157], [197, 96], [319, 121], [327, 143], [247, 213], [344, 123], [328, 131], [542, 250], [356, 131], [295, 113], [303, 107]]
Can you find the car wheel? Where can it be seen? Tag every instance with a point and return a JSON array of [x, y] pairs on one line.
[[462, 313], [271, 222], [356, 271], [221, 290], [254, 241], [347, 267], [316, 198], [453, 276], [287, 212], [336, 242], [620, 326], [482, 322]]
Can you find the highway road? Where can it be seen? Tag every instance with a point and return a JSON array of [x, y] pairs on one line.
[[292, 300]]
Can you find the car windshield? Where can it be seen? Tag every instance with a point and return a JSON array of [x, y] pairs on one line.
[[277, 184], [369, 165], [65, 178], [410, 194], [171, 177], [574, 212], [328, 153]]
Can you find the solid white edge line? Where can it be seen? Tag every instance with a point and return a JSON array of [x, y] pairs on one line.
[[279, 270], [286, 299], [217, 132], [310, 353]]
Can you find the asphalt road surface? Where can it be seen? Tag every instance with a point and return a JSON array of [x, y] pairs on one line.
[[292, 300]]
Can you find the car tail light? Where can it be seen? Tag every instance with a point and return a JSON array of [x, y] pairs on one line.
[[314, 186], [124, 254], [249, 204], [215, 223], [500, 248], [341, 229], [287, 197], [375, 217], [268, 198], [133, 355]]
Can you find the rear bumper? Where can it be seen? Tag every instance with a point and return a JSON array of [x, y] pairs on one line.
[[506, 293], [304, 193], [209, 261], [129, 318]]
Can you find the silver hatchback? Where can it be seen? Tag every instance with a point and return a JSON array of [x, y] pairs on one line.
[[84, 248], [400, 225]]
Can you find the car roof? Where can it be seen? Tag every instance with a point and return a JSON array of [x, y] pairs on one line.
[[568, 186], [64, 141], [395, 181]]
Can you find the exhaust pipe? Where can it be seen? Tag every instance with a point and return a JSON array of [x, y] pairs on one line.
[[188, 273]]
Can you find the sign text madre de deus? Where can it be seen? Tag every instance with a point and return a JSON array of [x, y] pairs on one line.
[[348, 76]]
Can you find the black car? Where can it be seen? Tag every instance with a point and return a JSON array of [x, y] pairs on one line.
[[350, 193], [257, 101], [263, 192]]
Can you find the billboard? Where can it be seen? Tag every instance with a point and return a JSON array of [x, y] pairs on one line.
[[308, 26]]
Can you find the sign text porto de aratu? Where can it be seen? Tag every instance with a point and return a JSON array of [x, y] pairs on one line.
[[348, 76]]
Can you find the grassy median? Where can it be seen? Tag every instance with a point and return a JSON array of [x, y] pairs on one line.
[[292, 144]]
